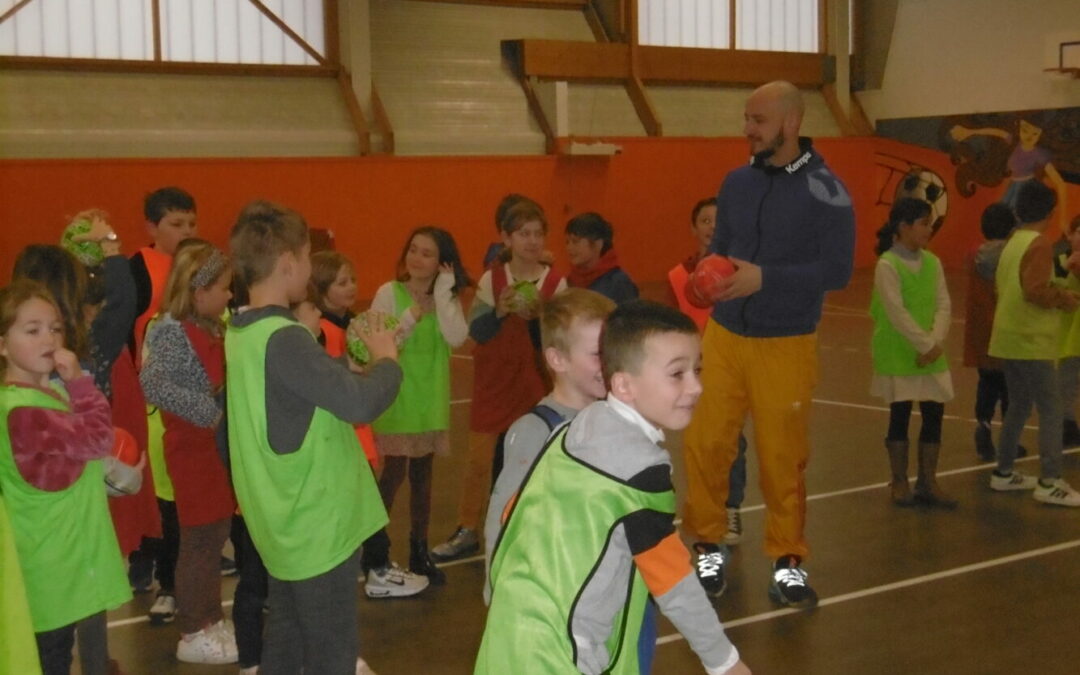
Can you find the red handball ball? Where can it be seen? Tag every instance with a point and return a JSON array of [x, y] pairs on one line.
[[707, 280], [125, 448]]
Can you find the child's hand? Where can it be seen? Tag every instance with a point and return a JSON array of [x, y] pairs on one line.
[[67, 365], [103, 233], [504, 304], [1073, 263], [530, 311], [379, 340], [923, 360], [444, 283]]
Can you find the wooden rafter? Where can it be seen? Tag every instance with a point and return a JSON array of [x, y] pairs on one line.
[[610, 62], [382, 120], [331, 36], [596, 24], [635, 89], [356, 113], [155, 13], [538, 4], [170, 67], [290, 32], [539, 115], [14, 10]]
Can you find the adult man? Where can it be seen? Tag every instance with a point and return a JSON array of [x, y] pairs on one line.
[[787, 224]]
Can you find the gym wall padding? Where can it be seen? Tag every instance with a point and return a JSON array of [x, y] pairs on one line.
[[371, 203]]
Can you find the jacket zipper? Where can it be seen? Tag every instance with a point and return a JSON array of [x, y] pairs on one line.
[[757, 249]]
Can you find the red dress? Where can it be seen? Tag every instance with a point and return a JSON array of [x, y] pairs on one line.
[[199, 478], [134, 516], [508, 375]]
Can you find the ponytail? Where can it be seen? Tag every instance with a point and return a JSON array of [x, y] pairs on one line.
[[904, 212]]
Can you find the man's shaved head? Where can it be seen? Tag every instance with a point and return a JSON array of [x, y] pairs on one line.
[[772, 117], [784, 94]]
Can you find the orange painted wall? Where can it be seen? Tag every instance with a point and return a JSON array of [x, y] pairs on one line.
[[371, 203]]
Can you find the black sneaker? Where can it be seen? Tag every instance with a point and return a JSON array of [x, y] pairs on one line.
[[228, 567], [141, 573], [788, 585], [420, 562], [709, 565]]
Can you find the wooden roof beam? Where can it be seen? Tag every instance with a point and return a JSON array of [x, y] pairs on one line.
[[610, 62]]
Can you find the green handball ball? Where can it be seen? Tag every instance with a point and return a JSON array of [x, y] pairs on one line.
[[527, 295], [89, 253], [356, 348]]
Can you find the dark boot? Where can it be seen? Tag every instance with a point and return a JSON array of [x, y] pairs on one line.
[[927, 491], [420, 562], [898, 463], [984, 442]]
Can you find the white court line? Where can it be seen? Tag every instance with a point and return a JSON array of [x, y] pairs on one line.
[[145, 618], [462, 561], [885, 588], [461, 356], [914, 411], [876, 486]]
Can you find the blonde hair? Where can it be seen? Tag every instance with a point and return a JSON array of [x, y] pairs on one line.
[[89, 214], [262, 233], [15, 295], [192, 269], [559, 313], [325, 266]]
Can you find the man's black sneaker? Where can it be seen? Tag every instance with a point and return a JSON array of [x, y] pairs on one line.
[[709, 565], [228, 567], [789, 586]]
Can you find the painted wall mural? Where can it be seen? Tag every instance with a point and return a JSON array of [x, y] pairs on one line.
[[999, 152]]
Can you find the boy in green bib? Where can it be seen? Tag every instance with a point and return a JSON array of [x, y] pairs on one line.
[[590, 534], [306, 491], [1027, 337]]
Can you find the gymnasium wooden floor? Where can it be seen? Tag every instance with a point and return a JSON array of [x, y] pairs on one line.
[[989, 588]]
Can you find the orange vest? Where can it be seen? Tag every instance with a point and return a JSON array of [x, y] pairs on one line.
[[335, 346], [158, 266], [678, 276]]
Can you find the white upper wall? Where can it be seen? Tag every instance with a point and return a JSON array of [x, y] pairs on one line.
[[952, 57]]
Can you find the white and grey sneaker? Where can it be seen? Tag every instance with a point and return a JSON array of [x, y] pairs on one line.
[[1058, 492], [462, 542], [163, 610], [734, 526], [215, 644], [393, 582], [1014, 481]]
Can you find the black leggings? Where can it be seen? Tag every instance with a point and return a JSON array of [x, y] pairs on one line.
[[990, 391], [900, 414], [419, 470]]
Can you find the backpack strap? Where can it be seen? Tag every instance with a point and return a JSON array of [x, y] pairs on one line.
[[549, 415], [498, 280]]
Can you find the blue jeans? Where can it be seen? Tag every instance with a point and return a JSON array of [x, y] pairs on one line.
[[1032, 384]]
